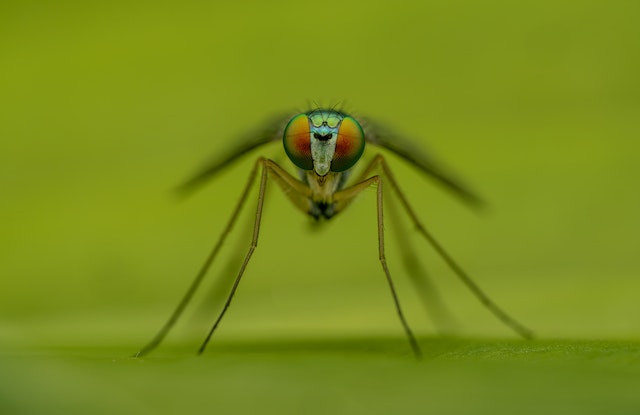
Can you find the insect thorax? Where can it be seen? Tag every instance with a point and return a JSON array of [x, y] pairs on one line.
[[321, 203]]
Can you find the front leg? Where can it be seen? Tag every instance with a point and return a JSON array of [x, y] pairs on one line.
[[342, 198]]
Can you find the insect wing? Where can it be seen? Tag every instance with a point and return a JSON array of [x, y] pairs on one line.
[[272, 131], [405, 149]]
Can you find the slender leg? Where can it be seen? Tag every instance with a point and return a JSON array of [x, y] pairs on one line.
[[203, 270], [462, 275], [297, 193], [383, 261], [431, 298], [342, 198], [252, 247], [423, 285]]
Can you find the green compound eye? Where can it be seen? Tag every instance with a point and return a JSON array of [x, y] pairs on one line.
[[297, 142], [349, 145]]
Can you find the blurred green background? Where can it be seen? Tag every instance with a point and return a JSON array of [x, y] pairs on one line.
[[106, 107]]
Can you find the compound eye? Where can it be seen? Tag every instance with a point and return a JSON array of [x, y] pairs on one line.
[[349, 145], [297, 142]]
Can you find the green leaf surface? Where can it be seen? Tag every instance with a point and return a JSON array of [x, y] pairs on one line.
[[368, 376]]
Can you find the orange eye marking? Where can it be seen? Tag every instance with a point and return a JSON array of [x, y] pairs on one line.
[[349, 146], [297, 142]]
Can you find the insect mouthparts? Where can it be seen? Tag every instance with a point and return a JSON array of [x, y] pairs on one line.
[[323, 137]]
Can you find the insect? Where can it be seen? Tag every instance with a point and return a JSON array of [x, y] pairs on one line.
[[324, 145]]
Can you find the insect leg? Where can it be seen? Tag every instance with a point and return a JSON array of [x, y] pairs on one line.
[[296, 190], [462, 275], [203, 270], [342, 198], [426, 289], [431, 298]]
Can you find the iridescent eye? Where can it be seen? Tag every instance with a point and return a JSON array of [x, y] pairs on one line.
[[349, 146], [297, 142]]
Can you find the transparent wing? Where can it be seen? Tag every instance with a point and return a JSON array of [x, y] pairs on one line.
[[378, 136], [270, 132]]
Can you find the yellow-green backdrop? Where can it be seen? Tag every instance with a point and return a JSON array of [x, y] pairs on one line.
[[105, 107]]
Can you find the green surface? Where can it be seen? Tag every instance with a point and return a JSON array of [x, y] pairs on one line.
[[369, 376], [105, 108]]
